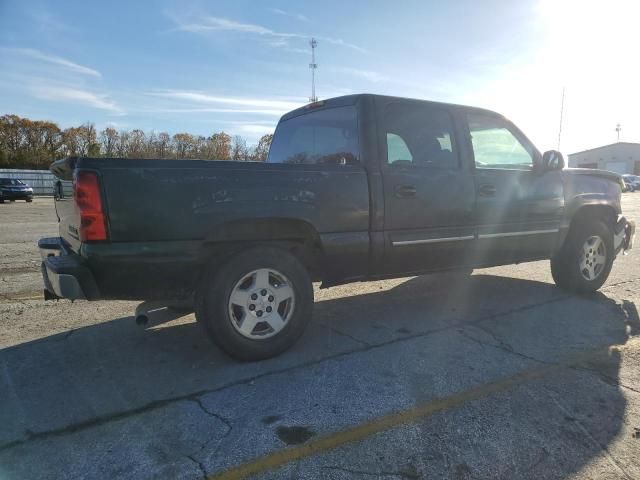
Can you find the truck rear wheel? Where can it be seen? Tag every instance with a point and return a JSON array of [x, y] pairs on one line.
[[584, 262], [257, 304]]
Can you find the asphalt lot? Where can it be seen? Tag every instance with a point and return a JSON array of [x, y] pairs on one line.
[[500, 376]]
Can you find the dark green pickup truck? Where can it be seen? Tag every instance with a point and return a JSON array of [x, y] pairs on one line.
[[356, 188]]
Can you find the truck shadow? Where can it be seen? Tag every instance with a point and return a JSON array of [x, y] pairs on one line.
[[68, 381]]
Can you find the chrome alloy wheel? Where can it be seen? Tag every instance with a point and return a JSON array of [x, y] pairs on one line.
[[593, 258], [261, 304]]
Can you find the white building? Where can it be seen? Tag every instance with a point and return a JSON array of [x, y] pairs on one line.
[[621, 157]]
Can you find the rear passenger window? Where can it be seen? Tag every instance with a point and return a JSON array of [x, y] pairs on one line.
[[327, 136], [420, 136]]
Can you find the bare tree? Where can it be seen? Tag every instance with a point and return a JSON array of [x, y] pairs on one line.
[[239, 150], [28, 143], [137, 143], [86, 139], [261, 151], [163, 145], [221, 146], [109, 139], [122, 145], [183, 143]]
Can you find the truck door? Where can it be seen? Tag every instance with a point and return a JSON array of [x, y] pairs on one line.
[[518, 209], [429, 191]]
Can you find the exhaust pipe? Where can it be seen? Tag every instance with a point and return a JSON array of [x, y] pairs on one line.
[[142, 312]]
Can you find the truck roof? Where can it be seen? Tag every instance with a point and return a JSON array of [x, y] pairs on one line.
[[346, 100]]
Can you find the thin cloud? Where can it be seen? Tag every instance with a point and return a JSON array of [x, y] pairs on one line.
[[297, 16], [52, 59], [256, 129], [200, 98], [48, 21], [342, 43], [77, 96], [369, 75], [263, 111], [207, 23]]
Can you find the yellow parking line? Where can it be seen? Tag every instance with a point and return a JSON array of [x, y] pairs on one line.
[[7, 299], [392, 420]]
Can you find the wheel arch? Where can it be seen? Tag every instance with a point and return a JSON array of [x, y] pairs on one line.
[[296, 235], [587, 212]]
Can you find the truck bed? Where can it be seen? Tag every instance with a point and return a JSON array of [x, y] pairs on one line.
[[165, 214]]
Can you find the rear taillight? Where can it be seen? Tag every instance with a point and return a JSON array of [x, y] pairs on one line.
[[86, 193]]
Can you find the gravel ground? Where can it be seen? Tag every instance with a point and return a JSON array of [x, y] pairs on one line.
[[500, 376]]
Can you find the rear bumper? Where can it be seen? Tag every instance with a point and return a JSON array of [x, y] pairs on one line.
[[120, 271], [624, 234], [64, 273]]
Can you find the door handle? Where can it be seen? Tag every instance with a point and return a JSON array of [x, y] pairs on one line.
[[487, 190], [404, 191]]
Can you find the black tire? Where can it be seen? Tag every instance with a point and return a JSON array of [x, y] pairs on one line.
[[29, 200], [212, 302], [1, 200], [565, 265]]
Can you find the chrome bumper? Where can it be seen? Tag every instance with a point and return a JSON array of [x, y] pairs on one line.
[[65, 274]]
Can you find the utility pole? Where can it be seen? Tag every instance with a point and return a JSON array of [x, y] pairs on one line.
[[618, 130], [561, 114], [313, 65]]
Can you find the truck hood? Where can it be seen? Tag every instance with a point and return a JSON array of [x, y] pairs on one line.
[[607, 175]]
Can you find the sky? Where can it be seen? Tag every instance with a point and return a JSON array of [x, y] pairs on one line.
[[237, 66]]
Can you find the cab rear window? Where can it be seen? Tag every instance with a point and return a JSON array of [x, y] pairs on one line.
[[327, 136]]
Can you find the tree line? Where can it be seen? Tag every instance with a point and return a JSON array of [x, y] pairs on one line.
[[26, 143]]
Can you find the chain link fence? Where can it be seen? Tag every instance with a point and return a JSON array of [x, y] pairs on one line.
[[42, 181]]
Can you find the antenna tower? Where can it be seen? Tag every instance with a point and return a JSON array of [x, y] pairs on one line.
[[313, 65]]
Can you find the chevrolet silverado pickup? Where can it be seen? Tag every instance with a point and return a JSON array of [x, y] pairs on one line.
[[355, 188]]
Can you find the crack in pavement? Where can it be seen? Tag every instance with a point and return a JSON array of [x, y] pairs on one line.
[[224, 420], [344, 334], [155, 404], [67, 335], [605, 378], [103, 419], [228, 426], [200, 465], [411, 473], [502, 346], [586, 432]]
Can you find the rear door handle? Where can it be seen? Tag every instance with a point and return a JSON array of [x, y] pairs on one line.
[[487, 190], [404, 191]]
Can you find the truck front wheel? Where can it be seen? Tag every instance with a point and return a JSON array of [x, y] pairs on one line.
[[584, 262], [257, 304]]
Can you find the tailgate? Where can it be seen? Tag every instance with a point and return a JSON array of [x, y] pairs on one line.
[[68, 214]]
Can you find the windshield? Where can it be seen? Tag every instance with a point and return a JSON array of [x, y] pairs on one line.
[[10, 181]]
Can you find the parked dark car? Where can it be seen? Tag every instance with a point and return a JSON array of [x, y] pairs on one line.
[[632, 182], [356, 188], [12, 189]]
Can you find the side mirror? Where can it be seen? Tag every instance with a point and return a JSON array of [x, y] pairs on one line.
[[552, 160]]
